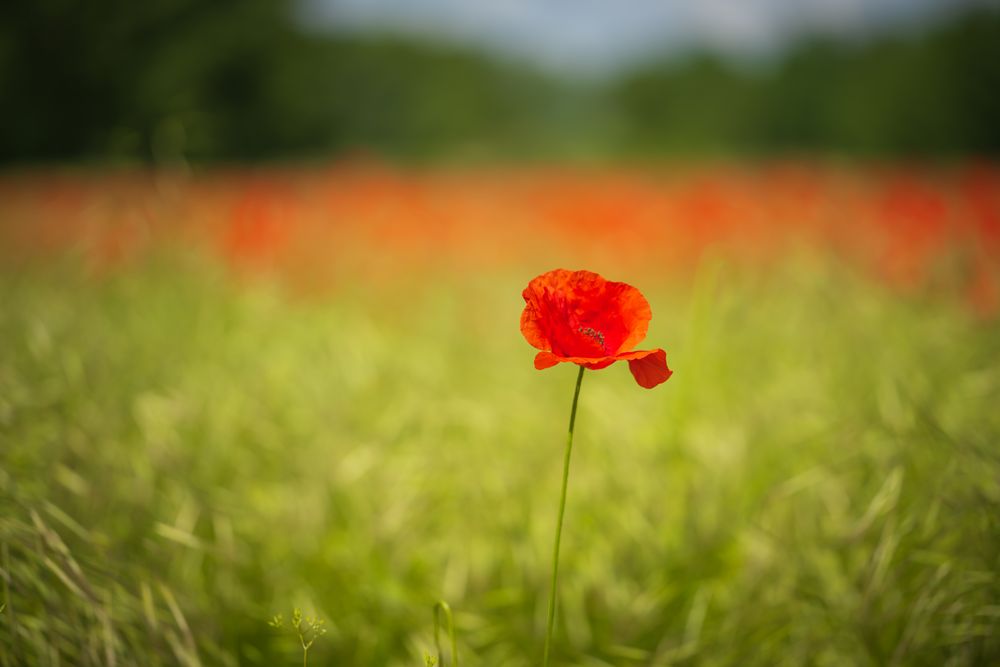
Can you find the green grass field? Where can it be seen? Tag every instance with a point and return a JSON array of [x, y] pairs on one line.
[[182, 457]]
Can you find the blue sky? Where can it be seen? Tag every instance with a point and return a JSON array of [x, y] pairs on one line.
[[594, 36]]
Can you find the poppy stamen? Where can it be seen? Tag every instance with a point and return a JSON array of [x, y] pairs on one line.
[[594, 335]]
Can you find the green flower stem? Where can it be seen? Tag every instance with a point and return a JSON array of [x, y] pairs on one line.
[[559, 522]]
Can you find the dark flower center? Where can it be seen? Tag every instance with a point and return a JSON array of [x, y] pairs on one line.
[[594, 335]]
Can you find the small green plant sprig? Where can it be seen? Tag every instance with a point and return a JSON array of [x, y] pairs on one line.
[[307, 629], [442, 609]]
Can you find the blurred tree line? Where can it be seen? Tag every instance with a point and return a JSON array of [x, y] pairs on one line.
[[932, 94], [163, 80]]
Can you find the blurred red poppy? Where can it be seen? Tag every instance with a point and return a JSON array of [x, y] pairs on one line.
[[581, 318]]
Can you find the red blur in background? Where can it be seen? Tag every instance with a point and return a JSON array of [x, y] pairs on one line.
[[905, 225]]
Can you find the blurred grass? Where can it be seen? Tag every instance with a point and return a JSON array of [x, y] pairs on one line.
[[180, 459]]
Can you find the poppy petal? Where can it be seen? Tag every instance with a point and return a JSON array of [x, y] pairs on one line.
[[545, 360], [594, 364], [539, 311], [579, 313], [531, 328], [649, 367], [634, 312], [579, 317]]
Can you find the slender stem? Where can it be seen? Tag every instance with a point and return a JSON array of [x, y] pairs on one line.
[[559, 522], [442, 607]]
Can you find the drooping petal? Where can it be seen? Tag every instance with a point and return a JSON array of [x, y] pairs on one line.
[[545, 360], [649, 367]]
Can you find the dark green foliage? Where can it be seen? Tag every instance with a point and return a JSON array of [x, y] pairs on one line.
[[239, 80], [922, 95], [167, 80]]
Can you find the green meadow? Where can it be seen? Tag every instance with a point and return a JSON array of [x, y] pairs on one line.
[[184, 455]]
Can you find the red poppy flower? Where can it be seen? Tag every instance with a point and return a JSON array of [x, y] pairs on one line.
[[581, 318]]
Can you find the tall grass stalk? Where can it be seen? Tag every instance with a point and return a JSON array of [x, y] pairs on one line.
[[441, 607]]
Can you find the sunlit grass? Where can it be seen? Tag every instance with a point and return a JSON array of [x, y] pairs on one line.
[[181, 458]]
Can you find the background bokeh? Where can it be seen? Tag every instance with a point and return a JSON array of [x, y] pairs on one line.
[[179, 79], [260, 277]]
